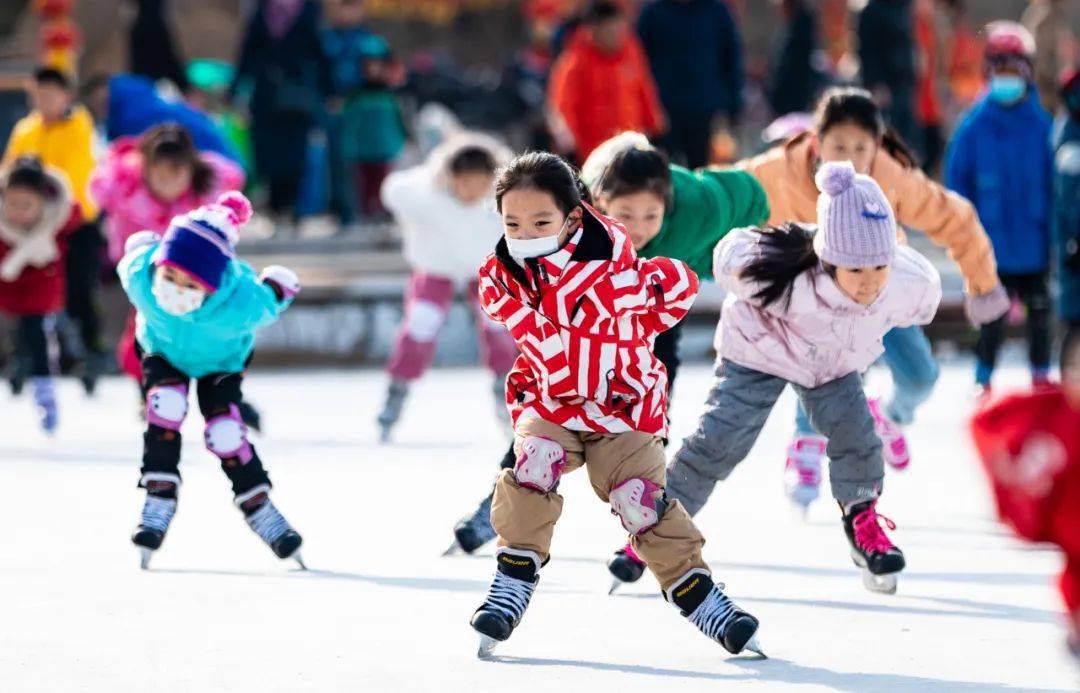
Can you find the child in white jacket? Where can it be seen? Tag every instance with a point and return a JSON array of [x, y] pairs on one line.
[[448, 222]]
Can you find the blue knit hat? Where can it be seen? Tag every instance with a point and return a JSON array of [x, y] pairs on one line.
[[202, 242]]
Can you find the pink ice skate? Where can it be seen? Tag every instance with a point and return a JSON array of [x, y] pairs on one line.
[[802, 470], [894, 447]]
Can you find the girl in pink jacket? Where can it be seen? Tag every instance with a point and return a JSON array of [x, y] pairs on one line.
[[143, 182], [811, 309]]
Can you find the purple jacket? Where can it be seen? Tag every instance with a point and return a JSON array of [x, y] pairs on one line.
[[822, 335]]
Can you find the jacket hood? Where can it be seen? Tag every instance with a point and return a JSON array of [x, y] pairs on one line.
[[55, 214], [440, 157]]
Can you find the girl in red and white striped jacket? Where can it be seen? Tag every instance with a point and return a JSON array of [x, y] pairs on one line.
[[587, 391]]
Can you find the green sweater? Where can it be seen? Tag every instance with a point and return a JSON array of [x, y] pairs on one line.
[[706, 204]]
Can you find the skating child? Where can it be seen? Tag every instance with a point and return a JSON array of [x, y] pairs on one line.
[[587, 391], [448, 224], [143, 183], [848, 126], [810, 309], [1000, 159], [1030, 446], [198, 310], [37, 213]]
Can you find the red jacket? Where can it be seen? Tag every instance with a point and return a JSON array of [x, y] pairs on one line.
[[585, 319], [601, 94], [38, 287], [1030, 446]]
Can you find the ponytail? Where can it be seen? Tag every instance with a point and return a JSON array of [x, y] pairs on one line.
[[850, 105], [787, 252]]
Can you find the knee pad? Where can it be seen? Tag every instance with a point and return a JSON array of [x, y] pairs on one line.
[[226, 436], [540, 464], [167, 405], [639, 504], [424, 320]]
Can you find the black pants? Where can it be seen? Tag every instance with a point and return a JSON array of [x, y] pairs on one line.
[[933, 148], [83, 280], [35, 339], [284, 192], [689, 141], [1032, 290], [215, 392]]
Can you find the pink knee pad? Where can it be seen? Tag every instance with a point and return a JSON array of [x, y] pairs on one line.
[[639, 503], [540, 464], [167, 405], [226, 436]]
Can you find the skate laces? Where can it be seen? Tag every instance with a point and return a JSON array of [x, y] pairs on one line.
[[869, 534], [714, 614], [509, 596], [157, 513], [268, 523]]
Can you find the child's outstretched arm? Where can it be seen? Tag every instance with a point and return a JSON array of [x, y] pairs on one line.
[[923, 291], [670, 287], [536, 337], [269, 296]]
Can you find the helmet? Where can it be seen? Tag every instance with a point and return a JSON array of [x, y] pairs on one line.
[[1006, 39]]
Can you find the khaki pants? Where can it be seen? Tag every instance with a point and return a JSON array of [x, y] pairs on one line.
[[525, 519]]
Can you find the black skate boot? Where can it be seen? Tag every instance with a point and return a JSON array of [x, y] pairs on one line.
[[391, 411], [625, 567], [703, 602], [157, 513], [265, 520], [472, 532], [871, 549], [509, 595]]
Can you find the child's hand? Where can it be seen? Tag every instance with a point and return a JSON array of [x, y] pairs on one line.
[[140, 240], [282, 280], [986, 308]]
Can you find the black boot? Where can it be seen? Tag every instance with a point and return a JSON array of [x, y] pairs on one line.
[[704, 603], [871, 548], [474, 531], [509, 596]]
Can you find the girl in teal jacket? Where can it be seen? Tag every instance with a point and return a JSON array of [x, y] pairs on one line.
[[197, 309]]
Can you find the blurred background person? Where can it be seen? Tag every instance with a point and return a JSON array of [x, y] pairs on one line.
[[795, 77], [887, 60], [151, 48]]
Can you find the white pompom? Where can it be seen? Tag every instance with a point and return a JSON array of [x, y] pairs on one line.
[[834, 177]]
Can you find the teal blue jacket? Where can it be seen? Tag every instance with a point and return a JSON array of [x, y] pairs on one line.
[[219, 336]]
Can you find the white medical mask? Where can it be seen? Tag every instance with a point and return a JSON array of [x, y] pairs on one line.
[[173, 299], [522, 248]]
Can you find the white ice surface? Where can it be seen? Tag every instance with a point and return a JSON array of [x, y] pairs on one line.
[[380, 610]]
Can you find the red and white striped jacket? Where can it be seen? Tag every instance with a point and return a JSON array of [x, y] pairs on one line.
[[585, 319]]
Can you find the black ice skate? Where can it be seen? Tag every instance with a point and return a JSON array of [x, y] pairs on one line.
[[509, 595], [625, 567], [704, 603], [265, 520], [871, 550], [473, 531], [391, 411], [157, 513]]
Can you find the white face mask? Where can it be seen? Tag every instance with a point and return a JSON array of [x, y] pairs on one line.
[[173, 299], [521, 248]]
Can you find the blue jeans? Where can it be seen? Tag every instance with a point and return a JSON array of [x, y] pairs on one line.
[[914, 373]]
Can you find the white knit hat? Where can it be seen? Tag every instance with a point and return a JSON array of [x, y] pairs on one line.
[[856, 226]]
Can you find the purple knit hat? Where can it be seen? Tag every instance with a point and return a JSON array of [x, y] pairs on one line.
[[202, 241], [856, 226]]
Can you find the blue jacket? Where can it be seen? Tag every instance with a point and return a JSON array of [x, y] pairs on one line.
[[695, 53], [999, 158], [219, 336], [135, 107], [1067, 212]]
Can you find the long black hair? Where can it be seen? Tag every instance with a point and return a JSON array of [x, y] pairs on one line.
[[636, 169], [787, 252], [850, 105], [172, 143], [546, 172]]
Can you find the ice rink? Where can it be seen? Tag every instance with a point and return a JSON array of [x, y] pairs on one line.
[[381, 610]]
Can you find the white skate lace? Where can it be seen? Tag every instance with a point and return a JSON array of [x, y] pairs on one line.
[[268, 523], [714, 614], [509, 596], [157, 513]]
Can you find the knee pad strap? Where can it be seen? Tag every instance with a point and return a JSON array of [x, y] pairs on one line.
[[167, 405], [226, 436], [540, 464], [639, 504]]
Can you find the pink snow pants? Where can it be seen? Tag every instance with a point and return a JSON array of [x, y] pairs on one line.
[[427, 300]]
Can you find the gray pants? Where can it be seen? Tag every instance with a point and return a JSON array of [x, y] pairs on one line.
[[737, 407]]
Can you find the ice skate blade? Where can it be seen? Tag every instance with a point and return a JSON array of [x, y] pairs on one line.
[[299, 560], [453, 550], [755, 647], [487, 647], [144, 557], [615, 585], [881, 584]]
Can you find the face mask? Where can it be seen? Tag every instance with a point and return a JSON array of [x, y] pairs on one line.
[[176, 300], [1007, 89], [522, 248]]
